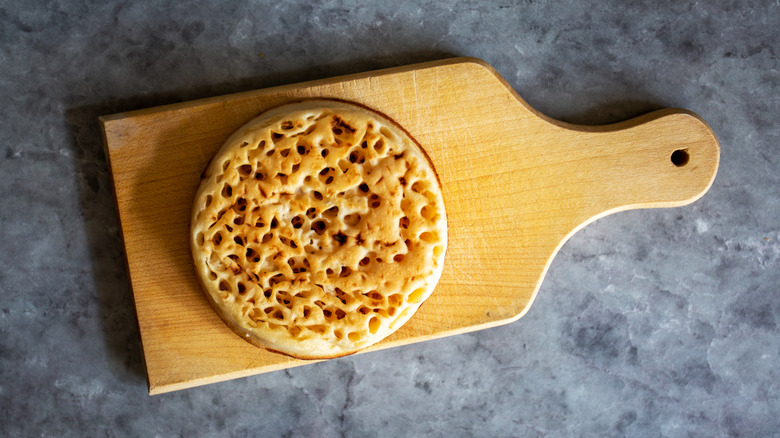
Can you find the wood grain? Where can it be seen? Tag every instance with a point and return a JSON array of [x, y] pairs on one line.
[[516, 185]]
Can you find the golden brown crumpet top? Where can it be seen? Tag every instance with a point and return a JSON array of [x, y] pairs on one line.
[[318, 229]]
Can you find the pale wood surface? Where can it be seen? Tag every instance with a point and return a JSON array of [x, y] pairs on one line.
[[516, 185]]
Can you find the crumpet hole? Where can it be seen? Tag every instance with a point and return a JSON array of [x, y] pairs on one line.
[[352, 219], [427, 213], [289, 242], [386, 132], [245, 169], [356, 156], [374, 324], [416, 295], [319, 226], [395, 299], [375, 295], [276, 279], [331, 212], [227, 191], [429, 237], [252, 255], [343, 297]]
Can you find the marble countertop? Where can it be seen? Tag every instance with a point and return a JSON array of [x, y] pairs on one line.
[[649, 322]]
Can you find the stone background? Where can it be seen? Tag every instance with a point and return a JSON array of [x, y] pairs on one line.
[[649, 323]]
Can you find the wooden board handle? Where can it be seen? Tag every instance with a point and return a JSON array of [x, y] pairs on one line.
[[666, 158]]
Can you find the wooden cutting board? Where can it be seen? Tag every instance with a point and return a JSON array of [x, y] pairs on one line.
[[516, 186]]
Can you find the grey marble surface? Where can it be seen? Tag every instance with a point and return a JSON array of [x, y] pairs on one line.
[[649, 323]]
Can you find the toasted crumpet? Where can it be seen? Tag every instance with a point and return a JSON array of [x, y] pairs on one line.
[[318, 229]]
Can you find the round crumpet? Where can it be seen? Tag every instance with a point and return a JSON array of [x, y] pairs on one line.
[[318, 229]]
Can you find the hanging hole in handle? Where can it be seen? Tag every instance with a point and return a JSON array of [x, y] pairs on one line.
[[680, 157]]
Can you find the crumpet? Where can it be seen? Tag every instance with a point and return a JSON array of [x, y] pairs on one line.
[[318, 229]]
